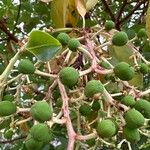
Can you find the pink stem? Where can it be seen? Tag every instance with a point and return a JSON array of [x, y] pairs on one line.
[[70, 130]]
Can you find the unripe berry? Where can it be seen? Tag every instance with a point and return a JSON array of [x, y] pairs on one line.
[[134, 119], [73, 44], [40, 132], [63, 38], [85, 110], [32, 144], [128, 100], [109, 24], [106, 128], [131, 135], [123, 71], [141, 33], [7, 108], [120, 39], [144, 68], [143, 106], [26, 67], [8, 97], [69, 76], [41, 111], [93, 87]]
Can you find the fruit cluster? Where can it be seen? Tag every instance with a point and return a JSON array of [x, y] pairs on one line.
[[80, 88]]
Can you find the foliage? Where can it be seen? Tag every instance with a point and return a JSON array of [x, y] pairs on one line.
[[74, 74]]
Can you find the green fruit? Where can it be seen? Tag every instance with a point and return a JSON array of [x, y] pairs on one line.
[[143, 106], [106, 128], [32, 144], [93, 87], [41, 111], [7, 108], [8, 134], [120, 39], [131, 135], [109, 24], [134, 119], [142, 33], [96, 105], [73, 44], [128, 100], [85, 110], [69, 76], [40, 132], [144, 69], [123, 71], [8, 98], [26, 67], [63, 38]]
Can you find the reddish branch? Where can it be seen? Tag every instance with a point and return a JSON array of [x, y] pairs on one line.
[[107, 8], [5, 30], [13, 140], [70, 130], [133, 10]]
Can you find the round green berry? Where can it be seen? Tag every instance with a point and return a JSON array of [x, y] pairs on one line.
[[73, 44], [32, 144], [128, 100], [40, 132], [69, 76], [143, 106], [8, 97], [26, 67], [123, 71], [106, 128], [41, 111], [63, 38], [8, 134], [144, 68], [131, 135], [109, 24], [142, 33], [96, 105], [7, 108], [85, 110], [134, 119], [93, 87], [120, 39]]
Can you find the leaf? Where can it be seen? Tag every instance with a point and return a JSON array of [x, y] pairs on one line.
[[58, 12], [81, 7], [148, 21], [43, 45], [90, 4], [120, 53], [137, 81], [64, 13]]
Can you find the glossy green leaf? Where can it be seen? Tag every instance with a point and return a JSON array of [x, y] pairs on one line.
[[43, 45]]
